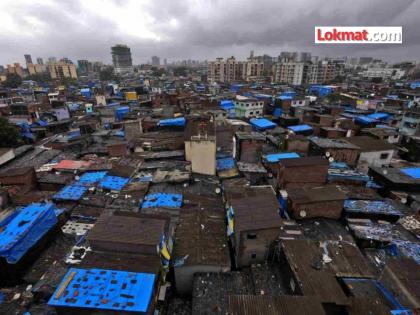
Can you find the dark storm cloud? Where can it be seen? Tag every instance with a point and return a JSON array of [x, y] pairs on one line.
[[196, 29]]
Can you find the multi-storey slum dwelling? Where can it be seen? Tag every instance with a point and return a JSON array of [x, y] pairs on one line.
[[253, 222]]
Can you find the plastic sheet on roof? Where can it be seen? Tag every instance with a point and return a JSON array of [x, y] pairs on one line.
[[297, 128], [275, 157], [113, 182], [158, 200], [24, 229], [225, 164], [92, 177], [105, 290], [413, 172], [262, 123], [74, 192], [172, 122]]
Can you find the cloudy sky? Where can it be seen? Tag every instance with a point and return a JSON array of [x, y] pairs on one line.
[[196, 29]]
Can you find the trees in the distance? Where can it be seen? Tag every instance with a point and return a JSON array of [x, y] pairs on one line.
[[9, 135]]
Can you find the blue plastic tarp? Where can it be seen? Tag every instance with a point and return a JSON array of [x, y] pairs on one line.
[[227, 105], [262, 123], [117, 291], [113, 182], [379, 116], [365, 120], [225, 164], [275, 157], [158, 200], [370, 206], [277, 112], [73, 191], [121, 112], [172, 122], [92, 177], [300, 128], [25, 229], [413, 172]]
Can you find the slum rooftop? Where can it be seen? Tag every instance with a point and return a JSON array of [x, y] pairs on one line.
[[170, 196]]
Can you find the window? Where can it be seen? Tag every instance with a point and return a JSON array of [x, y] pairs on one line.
[[251, 236], [253, 256], [384, 156], [257, 112], [251, 113]]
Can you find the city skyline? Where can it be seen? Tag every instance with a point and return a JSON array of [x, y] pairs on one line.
[[195, 30]]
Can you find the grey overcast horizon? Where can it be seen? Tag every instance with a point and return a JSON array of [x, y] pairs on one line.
[[197, 29]]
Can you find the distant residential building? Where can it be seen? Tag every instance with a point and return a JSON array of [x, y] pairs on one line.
[[28, 59], [52, 59], [305, 57], [35, 68], [155, 61], [60, 70], [84, 66], [297, 73], [323, 71], [121, 58], [383, 73], [289, 73], [288, 56], [253, 69], [40, 61], [231, 70], [15, 68], [246, 107], [365, 60], [165, 62]]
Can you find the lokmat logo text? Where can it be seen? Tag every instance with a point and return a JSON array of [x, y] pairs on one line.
[[358, 35]]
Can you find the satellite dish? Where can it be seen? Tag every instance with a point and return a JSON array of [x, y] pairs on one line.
[[331, 159], [217, 190], [302, 213], [327, 154]]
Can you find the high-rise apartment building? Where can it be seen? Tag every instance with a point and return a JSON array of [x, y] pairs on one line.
[[61, 70], [298, 73], [155, 61], [121, 58], [28, 59], [40, 61], [231, 70]]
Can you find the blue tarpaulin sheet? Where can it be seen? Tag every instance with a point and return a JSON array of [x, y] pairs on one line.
[[226, 104], [413, 172], [25, 229], [414, 85], [408, 249], [172, 122], [113, 182], [275, 157], [158, 200], [262, 123], [118, 291], [74, 191], [73, 134], [285, 97], [92, 177], [365, 120], [121, 112], [379, 116], [225, 164], [277, 112], [370, 206], [320, 90], [298, 128]]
